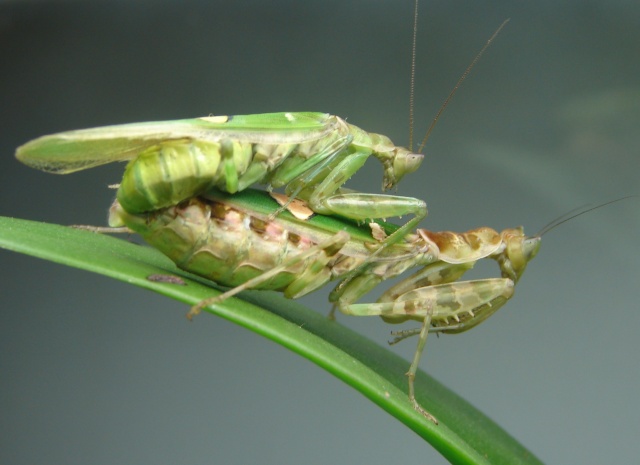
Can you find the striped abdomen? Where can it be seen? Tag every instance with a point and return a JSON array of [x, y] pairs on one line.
[[177, 170], [228, 246]]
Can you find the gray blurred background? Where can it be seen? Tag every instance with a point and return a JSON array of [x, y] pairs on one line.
[[96, 371]]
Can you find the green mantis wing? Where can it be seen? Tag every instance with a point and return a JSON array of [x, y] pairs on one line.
[[77, 150]]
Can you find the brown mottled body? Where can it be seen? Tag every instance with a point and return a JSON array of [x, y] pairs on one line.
[[230, 239]]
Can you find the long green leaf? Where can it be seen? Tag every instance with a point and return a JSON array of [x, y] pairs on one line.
[[464, 436]]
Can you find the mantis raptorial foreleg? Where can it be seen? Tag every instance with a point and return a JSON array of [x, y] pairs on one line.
[[434, 306], [452, 302], [362, 207], [447, 307], [327, 178]]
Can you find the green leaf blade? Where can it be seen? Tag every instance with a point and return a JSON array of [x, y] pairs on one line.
[[464, 436]]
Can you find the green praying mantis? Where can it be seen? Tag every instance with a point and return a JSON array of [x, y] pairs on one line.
[[309, 154]]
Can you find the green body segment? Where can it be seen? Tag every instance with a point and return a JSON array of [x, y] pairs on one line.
[[312, 154], [266, 149], [310, 161]]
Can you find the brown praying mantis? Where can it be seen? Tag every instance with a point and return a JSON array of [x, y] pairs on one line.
[[234, 241]]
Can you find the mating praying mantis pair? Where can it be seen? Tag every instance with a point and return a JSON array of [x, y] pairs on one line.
[[235, 240], [185, 190]]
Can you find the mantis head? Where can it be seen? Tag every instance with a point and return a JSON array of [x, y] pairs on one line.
[[518, 251], [402, 161]]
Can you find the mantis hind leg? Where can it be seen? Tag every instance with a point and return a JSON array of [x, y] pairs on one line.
[[413, 368]]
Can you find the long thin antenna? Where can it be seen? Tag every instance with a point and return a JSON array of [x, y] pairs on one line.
[[413, 75], [581, 211], [462, 78]]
